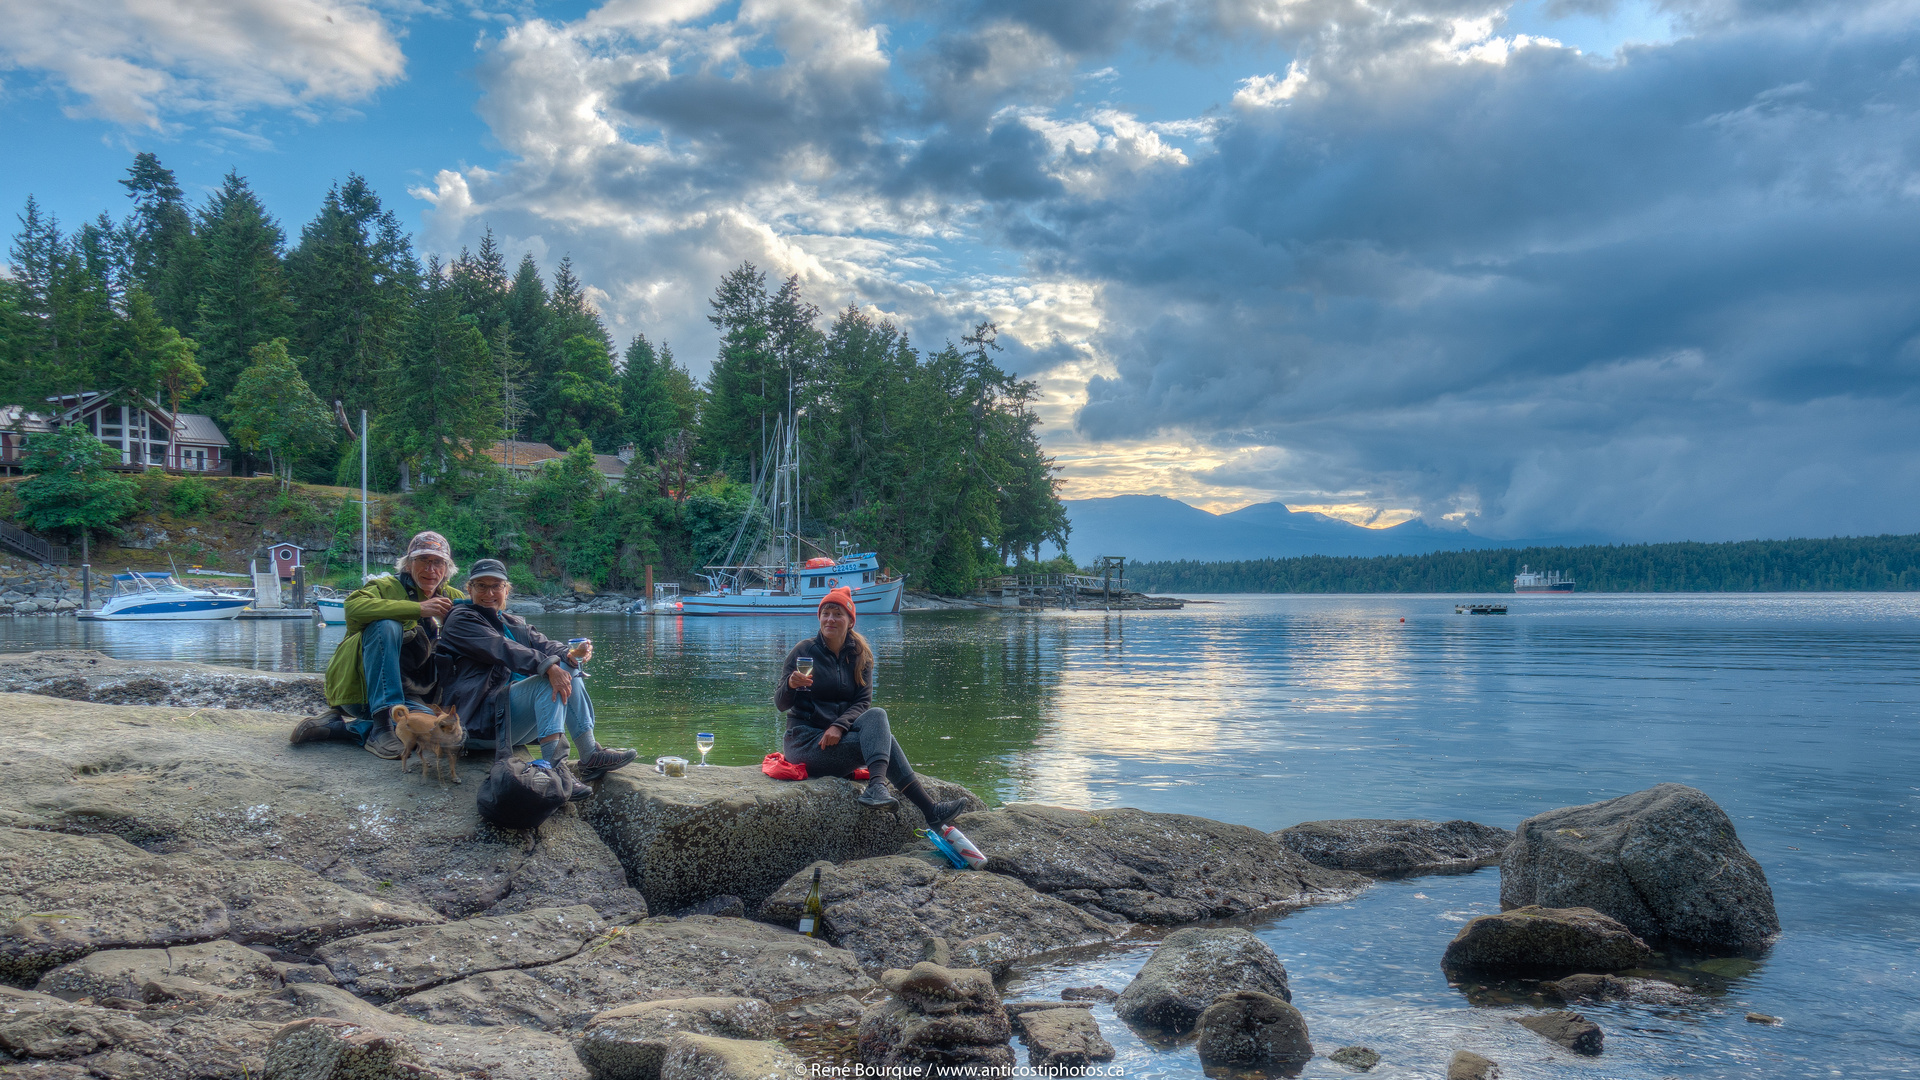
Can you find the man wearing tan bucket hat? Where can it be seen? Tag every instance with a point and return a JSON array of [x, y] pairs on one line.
[[387, 657]]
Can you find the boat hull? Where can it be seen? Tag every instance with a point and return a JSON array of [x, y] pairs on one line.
[[1564, 588], [194, 610], [880, 598], [332, 611]]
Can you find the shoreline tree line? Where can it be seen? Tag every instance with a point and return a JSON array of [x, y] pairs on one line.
[[930, 458], [1839, 564]]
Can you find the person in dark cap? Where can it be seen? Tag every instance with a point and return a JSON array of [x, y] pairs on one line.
[[386, 660], [507, 680], [833, 727]]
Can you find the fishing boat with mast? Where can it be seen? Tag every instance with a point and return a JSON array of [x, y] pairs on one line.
[[778, 576]]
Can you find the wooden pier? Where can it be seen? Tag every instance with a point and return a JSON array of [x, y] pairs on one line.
[[1106, 590]]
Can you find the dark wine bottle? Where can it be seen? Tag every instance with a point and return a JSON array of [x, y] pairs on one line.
[[813, 917]]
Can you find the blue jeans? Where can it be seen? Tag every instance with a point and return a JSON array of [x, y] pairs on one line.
[[380, 666], [534, 712]]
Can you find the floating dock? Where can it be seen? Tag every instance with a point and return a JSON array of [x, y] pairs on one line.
[[1458, 609]]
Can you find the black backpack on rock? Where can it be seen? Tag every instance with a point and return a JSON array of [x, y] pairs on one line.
[[518, 794]]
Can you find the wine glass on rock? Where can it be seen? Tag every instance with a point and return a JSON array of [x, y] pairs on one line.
[[703, 740]]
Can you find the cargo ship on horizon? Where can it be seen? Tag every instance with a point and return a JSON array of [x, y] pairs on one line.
[[1549, 581]]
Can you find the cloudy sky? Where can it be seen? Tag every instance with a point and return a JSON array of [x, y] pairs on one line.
[[1618, 268]]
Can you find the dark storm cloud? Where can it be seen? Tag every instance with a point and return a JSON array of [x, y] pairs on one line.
[[1670, 292], [1704, 247]]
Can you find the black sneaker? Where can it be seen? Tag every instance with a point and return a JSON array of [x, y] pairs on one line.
[[877, 794], [383, 743], [601, 762], [328, 723], [944, 812]]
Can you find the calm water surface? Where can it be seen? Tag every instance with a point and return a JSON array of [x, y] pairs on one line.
[[1796, 713]]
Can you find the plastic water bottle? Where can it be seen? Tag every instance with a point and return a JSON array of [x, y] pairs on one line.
[[964, 846]]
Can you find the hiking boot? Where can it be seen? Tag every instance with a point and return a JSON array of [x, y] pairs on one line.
[[383, 743], [328, 723], [944, 812], [601, 762], [578, 790], [877, 794]]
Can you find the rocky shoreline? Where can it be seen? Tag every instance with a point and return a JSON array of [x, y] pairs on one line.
[[183, 894]]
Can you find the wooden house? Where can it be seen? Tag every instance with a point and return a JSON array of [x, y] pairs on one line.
[[143, 433]]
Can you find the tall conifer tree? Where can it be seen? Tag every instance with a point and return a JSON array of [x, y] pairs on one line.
[[167, 256], [244, 303], [352, 281], [444, 400]]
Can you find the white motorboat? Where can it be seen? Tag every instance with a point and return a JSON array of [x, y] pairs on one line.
[[157, 595], [330, 604]]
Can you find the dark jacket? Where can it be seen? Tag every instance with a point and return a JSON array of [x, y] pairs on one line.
[[476, 661], [836, 697]]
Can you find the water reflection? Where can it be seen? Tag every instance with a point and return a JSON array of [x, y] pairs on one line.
[[1797, 714]]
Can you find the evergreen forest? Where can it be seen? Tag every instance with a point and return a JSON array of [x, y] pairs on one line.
[[931, 458], [1841, 564]]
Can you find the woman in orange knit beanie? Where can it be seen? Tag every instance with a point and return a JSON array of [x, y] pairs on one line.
[[836, 701]]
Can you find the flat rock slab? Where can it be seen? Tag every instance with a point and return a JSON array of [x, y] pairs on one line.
[[86, 1041], [223, 790], [1194, 968], [1063, 1039], [68, 896], [1387, 848], [733, 830], [881, 909], [396, 962], [659, 958], [1158, 869], [630, 1043], [516, 1052], [89, 675], [705, 1057], [1535, 939], [1569, 1029], [1665, 861], [210, 969]]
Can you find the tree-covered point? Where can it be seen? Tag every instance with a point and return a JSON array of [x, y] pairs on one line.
[[1841, 564], [931, 459]]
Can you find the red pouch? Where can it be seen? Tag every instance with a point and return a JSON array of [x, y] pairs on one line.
[[777, 766]]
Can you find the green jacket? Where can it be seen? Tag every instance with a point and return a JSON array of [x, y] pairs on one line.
[[382, 598]]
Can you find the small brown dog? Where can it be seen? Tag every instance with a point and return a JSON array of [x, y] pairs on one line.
[[421, 733]]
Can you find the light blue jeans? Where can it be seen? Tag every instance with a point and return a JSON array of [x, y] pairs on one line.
[[534, 712], [380, 663]]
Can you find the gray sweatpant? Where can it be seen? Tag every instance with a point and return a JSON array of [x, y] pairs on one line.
[[869, 742]]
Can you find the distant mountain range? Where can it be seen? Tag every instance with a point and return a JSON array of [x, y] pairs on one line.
[[1152, 528]]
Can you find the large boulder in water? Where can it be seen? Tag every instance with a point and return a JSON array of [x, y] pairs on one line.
[[883, 909], [1665, 861], [733, 830], [1159, 869], [1539, 940], [1387, 848], [1250, 1030], [1193, 969]]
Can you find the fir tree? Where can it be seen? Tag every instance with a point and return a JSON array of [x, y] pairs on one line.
[[167, 258], [161, 363], [444, 400], [244, 304], [480, 281], [658, 399], [744, 390], [352, 282]]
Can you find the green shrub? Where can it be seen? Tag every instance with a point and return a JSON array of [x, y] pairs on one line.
[[190, 496]]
